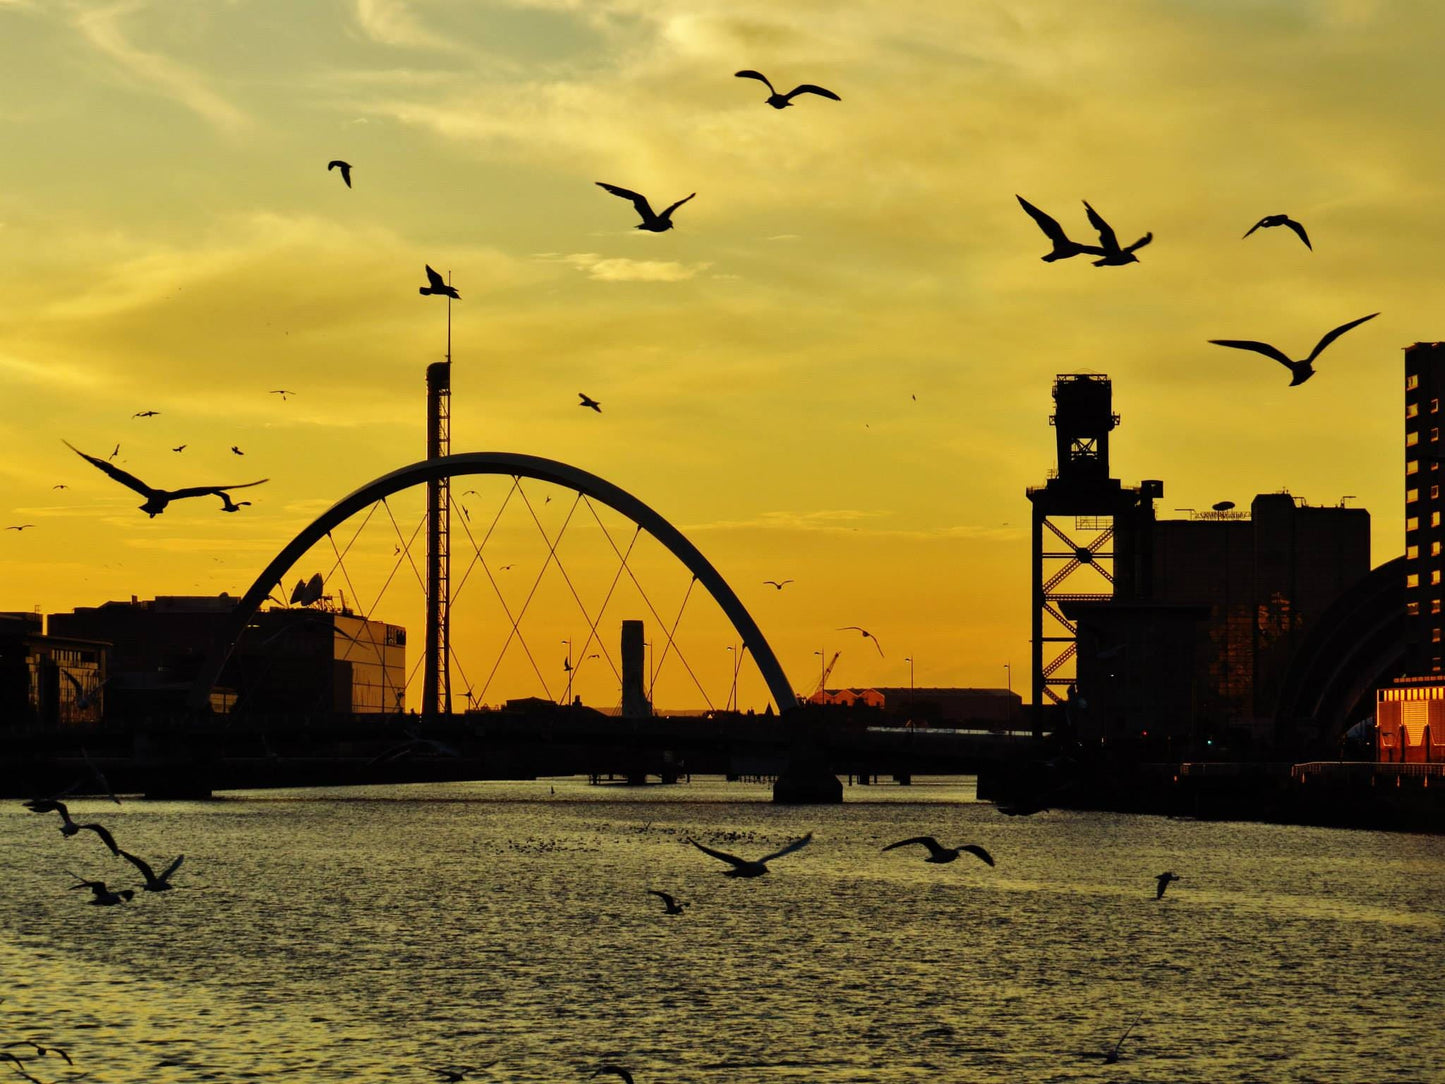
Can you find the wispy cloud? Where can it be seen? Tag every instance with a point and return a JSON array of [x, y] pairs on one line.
[[392, 22], [101, 27], [621, 269]]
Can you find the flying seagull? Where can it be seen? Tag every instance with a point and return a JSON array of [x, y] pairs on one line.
[[283, 392], [60, 485], [237, 450], [1164, 879], [782, 101], [345, 167], [20, 526], [228, 505], [154, 882], [866, 635], [1281, 220], [179, 448], [1109, 1057], [670, 905], [18, 1066], [156, 499], [1113, 255], [1063, 247], [778, 584], [145, 414], [437, 285], [587, 401], [654, 223], [1300, 370], [68, 827], [452, 1074], [742, 867], [102, 896], [936, 851], [116, 452], [615, 1070], [40, 1051]]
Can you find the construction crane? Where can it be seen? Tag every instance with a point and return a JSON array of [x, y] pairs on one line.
[[817, 696]]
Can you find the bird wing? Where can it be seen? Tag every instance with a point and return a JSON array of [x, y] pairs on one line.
[[927, 841], [797, 844], [1141, 242], [1299, 229], [663, 896], [436, 281], [140, 864], [201, 491], [1106, 231], [615, 1070], [1259, 348], [855, 628], [812, 88], [638, 200], [334, 163], [748, 73], [975, 849], [675, 206], [1256, 226], [731, 858], [1050, 225], [1331, 336], [125, 478], [46, 805], [105, 836], [165, 873], [74, 682]]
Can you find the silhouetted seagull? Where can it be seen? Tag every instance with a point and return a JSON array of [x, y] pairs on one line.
[[68, 827], [777, 583], [1063, 247], [60, 485], [283, 392], [20, 526], [589, 402], [116, 452], [451, 1074], [236, 449], [672, 907], [782, 101], [1164, 879], [179, 448], [228, 505], [936, 851], [102, 896], [438, 285], [1113, 255], [156, 499], [154, 882], [19, 1067], [41, 1051], [654, 223], [615, 1070], [146, 414], [742, 867], [1281, 220], [1300, 371], [345, 167], [1109, 1057], [866, 635]]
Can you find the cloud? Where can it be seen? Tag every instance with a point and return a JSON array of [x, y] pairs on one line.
[[102, 28], [391, 22], [621, 269]]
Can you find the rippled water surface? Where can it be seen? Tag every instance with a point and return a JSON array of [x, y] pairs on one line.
[[378, 934]]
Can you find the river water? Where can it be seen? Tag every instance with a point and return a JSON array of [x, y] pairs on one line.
[[379, 934]]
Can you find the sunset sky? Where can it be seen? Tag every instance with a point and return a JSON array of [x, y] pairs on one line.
[[171, 240]]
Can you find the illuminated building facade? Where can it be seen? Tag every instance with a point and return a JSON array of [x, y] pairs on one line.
[[49, 680]]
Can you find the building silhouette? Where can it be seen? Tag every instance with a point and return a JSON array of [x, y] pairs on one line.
[[48, 680]]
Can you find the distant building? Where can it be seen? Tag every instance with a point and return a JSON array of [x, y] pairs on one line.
[[299, 660], [847, 698], [48, 680], [996, 709], [1232, 595]]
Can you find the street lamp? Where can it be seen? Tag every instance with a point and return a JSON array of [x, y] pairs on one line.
[[909, 661], [733, 692], [1008, 673], [647, 645], [822, 676], [567, 666]]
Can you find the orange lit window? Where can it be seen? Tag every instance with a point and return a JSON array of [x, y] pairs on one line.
[[1434, 519], [1434, 406], [1435, 576], [1412, 608], [1435, 636], [1412, 410], [1435, 434], [1411, 495], [1412, 382], [1412, 466], [1411, 552], [1434, 549], [1412, 523], [1434, 605], [1412, 580], [1434, 492], [1412, 439]]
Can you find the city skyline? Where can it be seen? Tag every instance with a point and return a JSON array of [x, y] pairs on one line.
[[835, 369]]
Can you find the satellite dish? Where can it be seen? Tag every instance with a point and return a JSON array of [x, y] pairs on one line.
[[312, 590], [1223, 506], [298, 592]]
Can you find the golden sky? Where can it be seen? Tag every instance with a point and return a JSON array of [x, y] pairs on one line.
[[170, 240]]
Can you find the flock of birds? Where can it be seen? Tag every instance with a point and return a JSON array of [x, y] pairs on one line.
[[101, 894]]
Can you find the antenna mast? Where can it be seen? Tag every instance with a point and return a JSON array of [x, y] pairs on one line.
[[436, 676]]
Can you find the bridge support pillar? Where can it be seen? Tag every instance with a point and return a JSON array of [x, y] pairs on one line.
[[808, 778]]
